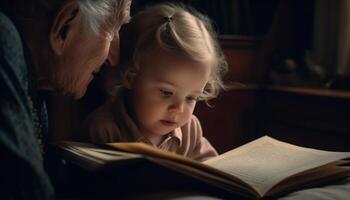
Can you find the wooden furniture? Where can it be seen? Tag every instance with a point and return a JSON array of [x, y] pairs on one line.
[[231, 118], [308, 117], [316, 118]]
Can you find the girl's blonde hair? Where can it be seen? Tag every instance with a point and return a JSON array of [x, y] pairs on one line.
[[175, 29]]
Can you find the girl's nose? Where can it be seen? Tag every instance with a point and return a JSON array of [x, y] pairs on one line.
[[176, 107]]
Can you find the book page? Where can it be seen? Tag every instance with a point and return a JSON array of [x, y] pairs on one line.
[[145, 149], [105, 155], [94, 156], [91, 156], [329, 172], [266, 161]]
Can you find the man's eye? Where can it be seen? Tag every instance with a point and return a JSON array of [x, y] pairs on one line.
[[166, 93]]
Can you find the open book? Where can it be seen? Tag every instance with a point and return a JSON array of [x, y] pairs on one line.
[[263, 167]]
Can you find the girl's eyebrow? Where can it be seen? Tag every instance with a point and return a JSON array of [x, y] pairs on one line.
[[197, 92], [166, 83]]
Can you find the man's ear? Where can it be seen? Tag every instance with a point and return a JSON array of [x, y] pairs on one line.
[[128, 78], [63, 23]]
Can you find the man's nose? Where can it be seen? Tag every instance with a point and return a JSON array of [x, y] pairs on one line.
[[177, 107], [114, 51]]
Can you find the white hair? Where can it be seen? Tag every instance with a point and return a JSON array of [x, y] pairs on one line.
[[96, 12], [93, 12]]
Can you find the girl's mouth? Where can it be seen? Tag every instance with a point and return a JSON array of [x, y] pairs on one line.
[[167, 123]]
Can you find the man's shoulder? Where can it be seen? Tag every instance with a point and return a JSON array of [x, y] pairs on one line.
[[12, 59], [8, 33]]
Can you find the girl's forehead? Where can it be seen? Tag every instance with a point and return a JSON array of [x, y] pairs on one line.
[[173, 63], [161, 64], [177, 72]]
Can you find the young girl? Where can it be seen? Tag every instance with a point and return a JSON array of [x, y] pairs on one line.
[[171, 59]]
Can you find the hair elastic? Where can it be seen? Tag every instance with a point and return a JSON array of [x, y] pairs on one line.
[[168, 19]]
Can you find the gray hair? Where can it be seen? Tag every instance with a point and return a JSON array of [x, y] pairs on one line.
[[94, 12]]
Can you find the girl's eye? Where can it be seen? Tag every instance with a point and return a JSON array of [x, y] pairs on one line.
[[166, 93], [191, 99]]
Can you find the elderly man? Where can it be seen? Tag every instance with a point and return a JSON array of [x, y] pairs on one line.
[[46, 45]]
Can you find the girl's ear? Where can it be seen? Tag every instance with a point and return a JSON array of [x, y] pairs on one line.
[[128, 78]]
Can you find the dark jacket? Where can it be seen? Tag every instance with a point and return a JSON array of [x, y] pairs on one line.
[[22, 117]]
